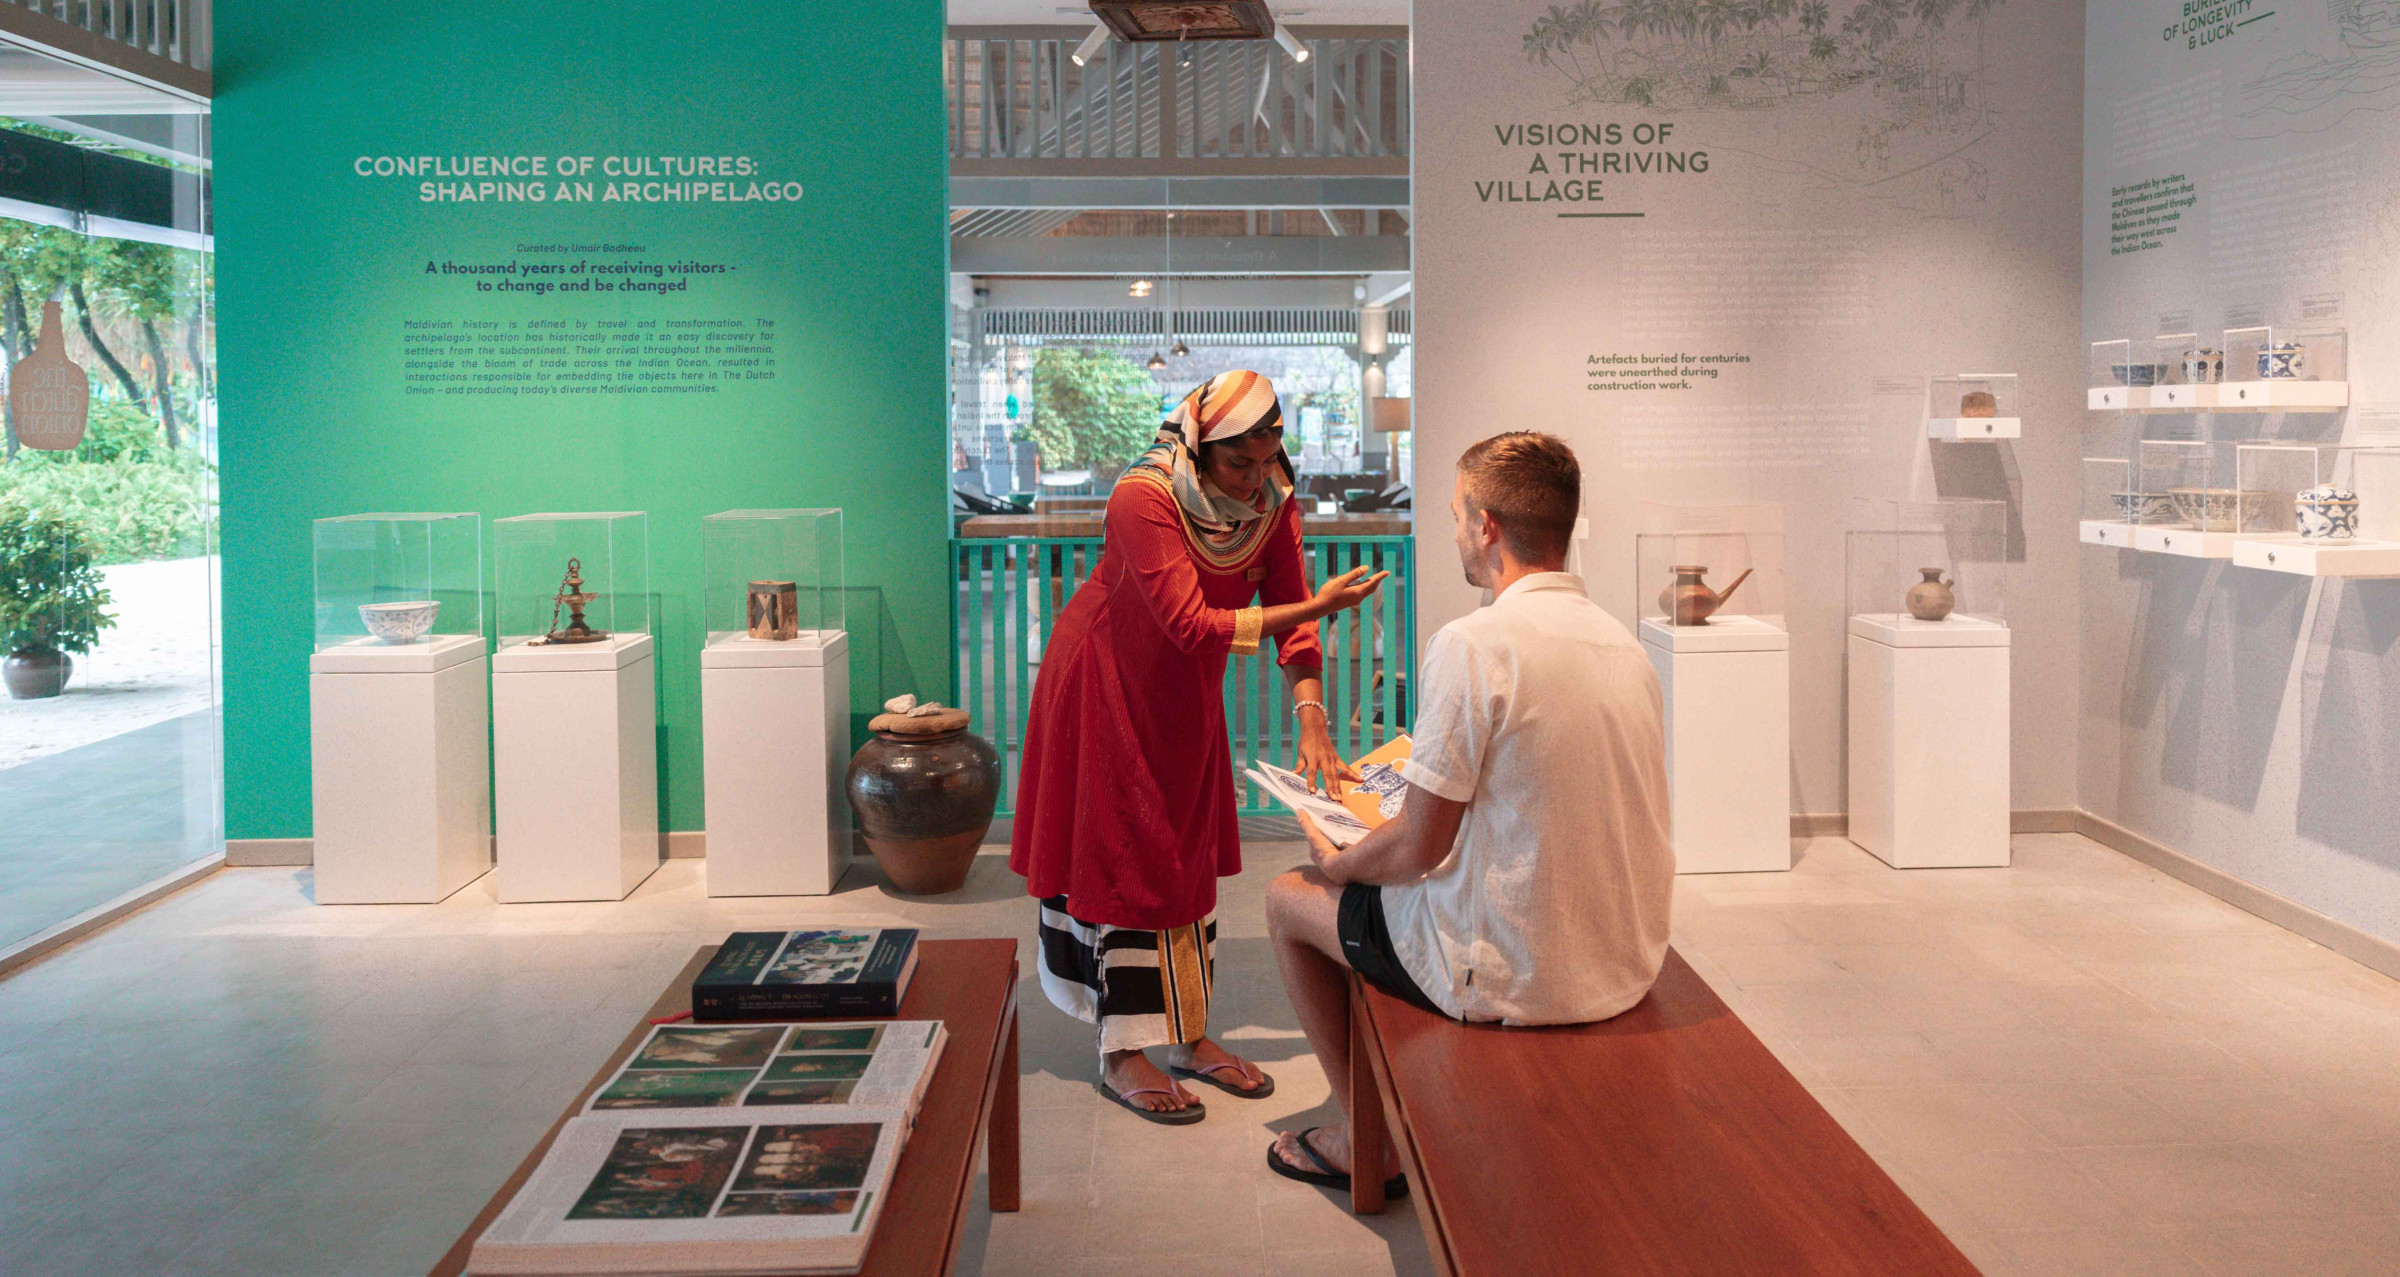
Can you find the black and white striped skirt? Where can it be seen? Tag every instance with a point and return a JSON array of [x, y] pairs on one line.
[[1142, 988]]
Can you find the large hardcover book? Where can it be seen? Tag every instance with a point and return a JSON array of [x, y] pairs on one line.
[[775, 975], [753, 1148], [1358, 810]]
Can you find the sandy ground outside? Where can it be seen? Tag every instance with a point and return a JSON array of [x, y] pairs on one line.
[[157, 662]]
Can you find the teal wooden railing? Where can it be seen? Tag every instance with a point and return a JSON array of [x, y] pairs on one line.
[[1011, 590]]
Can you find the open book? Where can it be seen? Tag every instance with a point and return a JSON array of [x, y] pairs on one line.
[[1374, 799], [774, 1154]]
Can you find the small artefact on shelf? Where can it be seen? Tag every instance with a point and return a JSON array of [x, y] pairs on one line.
[[1689, 600], [2219, 509], [774, 611], [571, 597], [1978, 403], [2284, 361], [402, 622], [2327, 512], [2144, 507], [1931, 599], [2204, 366]]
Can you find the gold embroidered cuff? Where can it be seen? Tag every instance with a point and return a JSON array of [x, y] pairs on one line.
[[1247, 625]]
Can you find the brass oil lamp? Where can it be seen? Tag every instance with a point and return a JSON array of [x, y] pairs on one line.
[[572, 599]]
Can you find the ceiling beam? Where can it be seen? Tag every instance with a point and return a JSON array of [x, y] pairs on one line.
[[1223, 191], [1245, 255]]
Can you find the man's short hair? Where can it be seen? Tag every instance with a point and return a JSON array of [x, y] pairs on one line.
[[1533, 487]]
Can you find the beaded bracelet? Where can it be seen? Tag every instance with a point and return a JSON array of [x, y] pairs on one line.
[[1297, 706]]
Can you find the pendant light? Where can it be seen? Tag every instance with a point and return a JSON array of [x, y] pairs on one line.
[[1158, 362]]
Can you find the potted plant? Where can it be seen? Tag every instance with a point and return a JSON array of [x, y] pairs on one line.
[[51, 593]]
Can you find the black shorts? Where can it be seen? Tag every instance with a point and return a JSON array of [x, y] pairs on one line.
[[1367, 944]]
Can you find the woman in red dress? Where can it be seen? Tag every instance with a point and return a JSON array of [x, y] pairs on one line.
[[1125, 813]]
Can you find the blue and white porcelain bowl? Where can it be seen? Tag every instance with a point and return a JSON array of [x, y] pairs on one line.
[[2144, 507], [399, 622], [2283, 361], [2135, 375], [2327, 513]]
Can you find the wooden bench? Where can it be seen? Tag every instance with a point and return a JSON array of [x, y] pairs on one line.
[[1666, 1140]]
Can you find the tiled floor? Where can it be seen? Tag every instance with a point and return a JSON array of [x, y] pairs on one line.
[[85, 825], [2075, 1065]]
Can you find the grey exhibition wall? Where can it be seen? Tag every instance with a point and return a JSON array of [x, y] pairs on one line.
[[2247, 719], [1877, 207]]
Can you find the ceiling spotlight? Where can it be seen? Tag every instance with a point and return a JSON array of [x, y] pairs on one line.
[[1158, 362], [1179, 350], [1291, 43], [1090, 47], [1140, 288]]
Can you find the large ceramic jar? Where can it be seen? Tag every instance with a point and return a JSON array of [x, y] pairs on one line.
[[924, 790]]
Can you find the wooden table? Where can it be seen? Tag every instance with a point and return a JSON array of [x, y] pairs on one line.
[[1668, 1139], [970, 986]]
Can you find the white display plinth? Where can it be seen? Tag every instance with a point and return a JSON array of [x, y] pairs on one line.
[[1929, 740], [400, 769], [1964, 429], [775, 728], [575, 756], [1728, 692]]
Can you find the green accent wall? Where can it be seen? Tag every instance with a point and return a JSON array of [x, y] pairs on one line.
[[319, 268]]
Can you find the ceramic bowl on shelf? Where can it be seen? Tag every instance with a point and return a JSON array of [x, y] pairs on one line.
[[2327, 513], [2219, 509], [2136, 375], [2144, 507], [2284, 361], [399, 622]]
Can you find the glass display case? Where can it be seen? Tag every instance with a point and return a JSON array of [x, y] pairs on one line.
[[1972, 405], [2327, 510], [2200, 482], [2113, 502], [772, 576], [1719, 566], [2186, 371], [571, 579], [2270, 367], [1919, 563], [2118, 379], [397, 579]]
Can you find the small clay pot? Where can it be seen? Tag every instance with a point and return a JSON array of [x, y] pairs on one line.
[[1931, 598], [33, 676], [924, 790]]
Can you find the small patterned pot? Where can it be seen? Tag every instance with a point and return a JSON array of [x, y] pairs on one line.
[[2144, 507], [2203, 367], [2327, 513], [2283, 361]]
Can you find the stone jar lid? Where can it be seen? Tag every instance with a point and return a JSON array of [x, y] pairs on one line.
[[936, 724]]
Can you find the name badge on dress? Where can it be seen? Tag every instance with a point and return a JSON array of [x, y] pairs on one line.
[[1257, 573]]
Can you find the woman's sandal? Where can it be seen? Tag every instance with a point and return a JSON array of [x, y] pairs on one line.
[[1325, 1176], [1207, 1073], [1184, 1116]]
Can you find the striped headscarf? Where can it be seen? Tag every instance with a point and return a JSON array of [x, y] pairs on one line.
[[1223, 531]]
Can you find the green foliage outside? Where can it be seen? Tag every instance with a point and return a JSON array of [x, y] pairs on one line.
[[51, 591], [137, 499], [1092, 410]]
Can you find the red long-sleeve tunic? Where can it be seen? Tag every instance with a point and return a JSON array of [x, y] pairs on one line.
[[1126, 802]]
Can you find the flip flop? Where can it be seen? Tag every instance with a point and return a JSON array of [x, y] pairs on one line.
[[1184, 1116], [1207, 1074], [1325, 1176]]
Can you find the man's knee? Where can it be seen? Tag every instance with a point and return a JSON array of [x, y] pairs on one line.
[[1303, 904]]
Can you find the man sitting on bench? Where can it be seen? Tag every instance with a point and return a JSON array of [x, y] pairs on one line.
[[1527, 878]]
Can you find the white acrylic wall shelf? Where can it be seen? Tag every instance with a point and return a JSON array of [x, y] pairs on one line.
[[2280, 396], [1966, 429], [2181, 398], [2109, 532], [2188, 543], [2302, 557], [2117, 398]]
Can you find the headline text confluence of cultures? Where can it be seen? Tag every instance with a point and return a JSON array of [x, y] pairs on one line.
[[539, 179]]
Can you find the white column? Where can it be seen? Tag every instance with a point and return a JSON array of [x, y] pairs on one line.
[[1728, 690], [1929, 740], [775, 726], [400, 769], [575, 755]]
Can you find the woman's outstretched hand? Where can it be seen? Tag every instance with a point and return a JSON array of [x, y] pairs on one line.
[[1347, 591], [1321, 763]]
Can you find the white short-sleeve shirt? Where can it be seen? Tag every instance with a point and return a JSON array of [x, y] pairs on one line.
[[1541, 713]]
